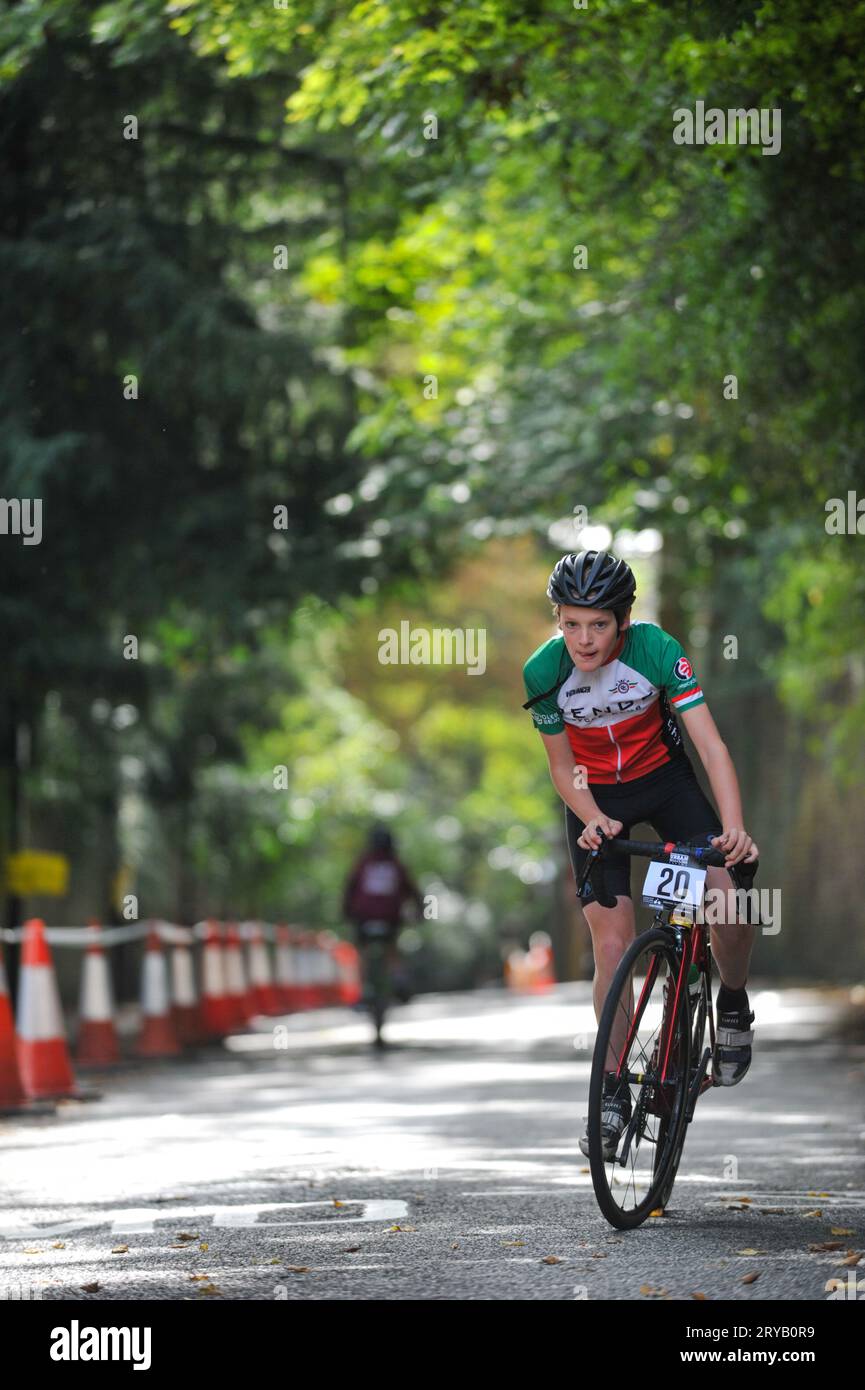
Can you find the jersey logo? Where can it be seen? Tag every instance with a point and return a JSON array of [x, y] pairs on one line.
[[380, 880], [682, 669], [622, 686]]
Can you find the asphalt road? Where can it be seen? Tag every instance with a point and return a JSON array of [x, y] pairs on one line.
[[446, 1168]]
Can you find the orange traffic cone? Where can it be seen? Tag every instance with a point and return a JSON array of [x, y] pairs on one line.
[[239, 999], [329, 970], [321, 970], [43, 1057], [539, 960], [265, 995], [11, 1091], [185, 1008], [97, 1043], [157, 1037], [305, 957], [216, 1009], [286, 974], [348, 967]]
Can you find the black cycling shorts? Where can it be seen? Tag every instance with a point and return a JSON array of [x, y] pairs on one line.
[[670, 799], [362, 936]]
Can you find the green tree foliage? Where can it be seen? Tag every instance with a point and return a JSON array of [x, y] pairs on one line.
[[507, 292]]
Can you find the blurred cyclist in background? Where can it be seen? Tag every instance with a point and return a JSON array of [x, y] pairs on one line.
[[375, 890]]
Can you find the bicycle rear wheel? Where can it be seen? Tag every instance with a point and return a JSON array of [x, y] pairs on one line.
[[652, 1056]]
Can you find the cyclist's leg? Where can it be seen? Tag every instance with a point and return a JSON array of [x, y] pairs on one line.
[[684, 812], [612, 929], [393, 955], [732, 938]]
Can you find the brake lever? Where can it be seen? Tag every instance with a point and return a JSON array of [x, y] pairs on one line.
[[595, 874]]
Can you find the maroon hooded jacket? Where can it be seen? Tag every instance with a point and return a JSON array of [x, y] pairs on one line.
[[377, 887]]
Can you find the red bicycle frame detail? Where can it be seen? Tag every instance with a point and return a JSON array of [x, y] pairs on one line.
[[638, 1011]]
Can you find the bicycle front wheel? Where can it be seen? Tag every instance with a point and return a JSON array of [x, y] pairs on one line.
[[648, 1050]]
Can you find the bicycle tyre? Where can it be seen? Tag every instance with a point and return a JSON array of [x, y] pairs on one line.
[[656, 941]]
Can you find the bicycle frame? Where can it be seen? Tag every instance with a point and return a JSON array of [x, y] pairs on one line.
[[688, 953], [695, 950]]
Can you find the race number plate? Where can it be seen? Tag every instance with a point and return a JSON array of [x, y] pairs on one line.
[[375, 929], [671, 884]]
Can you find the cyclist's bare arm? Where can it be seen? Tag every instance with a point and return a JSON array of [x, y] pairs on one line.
[[582, 803], [715, 757]]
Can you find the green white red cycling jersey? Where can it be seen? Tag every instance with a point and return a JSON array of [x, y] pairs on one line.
[[620, 718]]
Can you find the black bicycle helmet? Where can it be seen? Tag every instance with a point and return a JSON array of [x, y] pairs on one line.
[[380, 838], [592, 579]]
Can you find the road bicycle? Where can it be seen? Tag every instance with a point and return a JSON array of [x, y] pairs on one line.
[[659, 1042]]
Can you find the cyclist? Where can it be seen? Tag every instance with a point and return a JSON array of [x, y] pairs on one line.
[[375, 890], [605, 696]]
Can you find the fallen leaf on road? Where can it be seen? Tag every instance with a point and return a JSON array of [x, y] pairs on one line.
[[828, 1245], [31, 1252], [197, 1276], [338, 1203], [298, 1269], [204, 1246], [584, 1170], [741, 1199], [698, 1295], [779, 1211], [749, 1251], [842, 1231], [61, 1244], [351, 1249], [551, 1260], [398, 1227], [659, 1211], [184, 1235], [652, 1292], [88, 1288], [816, 1212], [750, 1278], [275, 1261], [120, 1249], [850, 1260], [210, 1289], [513, 1242]]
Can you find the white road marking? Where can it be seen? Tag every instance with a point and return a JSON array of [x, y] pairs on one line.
[[140, 1220]]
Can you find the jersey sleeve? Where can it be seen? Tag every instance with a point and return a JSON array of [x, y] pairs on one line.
[[538, 677], [676, 675]]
